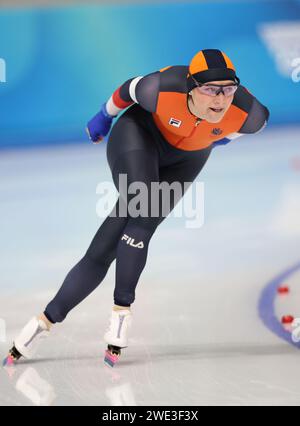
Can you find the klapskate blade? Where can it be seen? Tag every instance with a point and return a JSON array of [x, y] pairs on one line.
[[9, 360], [110, 359]]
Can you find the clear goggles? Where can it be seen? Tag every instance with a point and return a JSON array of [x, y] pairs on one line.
[[214, 89]]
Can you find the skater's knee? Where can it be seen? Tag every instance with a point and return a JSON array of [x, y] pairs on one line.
[[104, 260]]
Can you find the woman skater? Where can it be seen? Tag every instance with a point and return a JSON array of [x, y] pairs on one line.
[[176, 116]]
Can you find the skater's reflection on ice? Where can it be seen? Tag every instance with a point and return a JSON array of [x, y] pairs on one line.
[[32, 386], [120, 393]]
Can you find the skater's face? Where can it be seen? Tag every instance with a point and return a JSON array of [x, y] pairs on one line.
[[210, 108]]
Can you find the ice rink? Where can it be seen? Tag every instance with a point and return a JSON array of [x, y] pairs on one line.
[[206, 327]]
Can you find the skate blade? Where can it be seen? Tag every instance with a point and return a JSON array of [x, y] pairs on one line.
[[110, 359], [8, 361]]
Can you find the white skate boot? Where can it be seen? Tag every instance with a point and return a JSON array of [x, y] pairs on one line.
[[117, 335], [27, 341]]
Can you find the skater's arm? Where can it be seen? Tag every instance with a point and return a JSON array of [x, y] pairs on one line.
[[255, 122], [257, 118], [142, 90]]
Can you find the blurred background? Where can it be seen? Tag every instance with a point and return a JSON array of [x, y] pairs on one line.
[[59, 61], [63, 61]]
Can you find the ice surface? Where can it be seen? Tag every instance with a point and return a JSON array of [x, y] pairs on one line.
[[197, 338]]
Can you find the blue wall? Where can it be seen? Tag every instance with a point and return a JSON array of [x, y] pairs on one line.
[[62, 63]]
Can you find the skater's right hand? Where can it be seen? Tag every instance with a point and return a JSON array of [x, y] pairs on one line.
[[99, 125]]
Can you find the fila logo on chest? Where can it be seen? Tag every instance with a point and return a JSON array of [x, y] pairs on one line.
[[175, 122]]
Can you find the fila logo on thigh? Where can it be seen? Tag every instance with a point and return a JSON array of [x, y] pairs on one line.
[[130, 241]]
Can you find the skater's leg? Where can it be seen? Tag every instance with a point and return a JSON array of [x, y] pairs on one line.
[[89, 272], [81, 280], [140, 167], [131, 259]]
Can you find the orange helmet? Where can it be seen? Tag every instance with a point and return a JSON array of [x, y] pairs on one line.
[[210, 65]]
